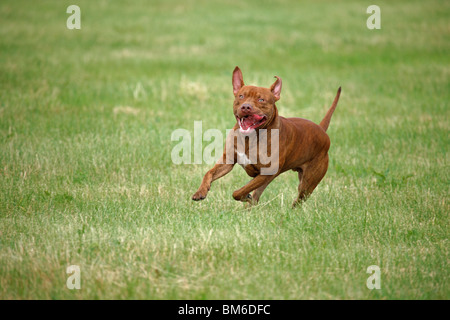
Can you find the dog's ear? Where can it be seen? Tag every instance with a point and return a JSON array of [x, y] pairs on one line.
[[276, 88], [238, 81]]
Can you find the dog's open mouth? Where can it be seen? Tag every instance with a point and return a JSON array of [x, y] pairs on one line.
[[250, 122]]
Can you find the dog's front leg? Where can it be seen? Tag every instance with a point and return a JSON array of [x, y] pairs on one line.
[[218, 171], [260, 181]]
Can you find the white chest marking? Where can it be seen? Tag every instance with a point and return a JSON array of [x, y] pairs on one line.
[[242, 159]]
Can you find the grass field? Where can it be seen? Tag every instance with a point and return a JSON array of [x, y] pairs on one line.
[[86, 176]]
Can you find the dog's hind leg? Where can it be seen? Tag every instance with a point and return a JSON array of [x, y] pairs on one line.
[[309, 176]]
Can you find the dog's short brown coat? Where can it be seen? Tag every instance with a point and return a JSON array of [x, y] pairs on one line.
[[303, 145]]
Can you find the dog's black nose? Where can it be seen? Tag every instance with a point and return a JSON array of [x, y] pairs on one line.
[[246, 108]]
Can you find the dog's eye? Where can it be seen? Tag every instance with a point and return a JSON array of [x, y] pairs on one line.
[[241, 97], [261, 100]]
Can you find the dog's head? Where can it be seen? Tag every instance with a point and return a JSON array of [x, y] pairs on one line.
[[254, 107]]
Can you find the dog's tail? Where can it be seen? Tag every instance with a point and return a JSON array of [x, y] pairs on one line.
[[326, 120]]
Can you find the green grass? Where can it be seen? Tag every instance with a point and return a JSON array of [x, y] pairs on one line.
[[86, 176]]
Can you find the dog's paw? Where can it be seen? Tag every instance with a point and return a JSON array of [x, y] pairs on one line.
[[247, 198], [198, 196]]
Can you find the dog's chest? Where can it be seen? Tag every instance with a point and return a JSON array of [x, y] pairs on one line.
[[242, 159], [249, 167]]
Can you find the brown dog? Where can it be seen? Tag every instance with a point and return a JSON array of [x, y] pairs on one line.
[[301, 146]]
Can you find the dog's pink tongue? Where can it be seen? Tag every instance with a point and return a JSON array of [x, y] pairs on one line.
[[246, 123], [257, 117]]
